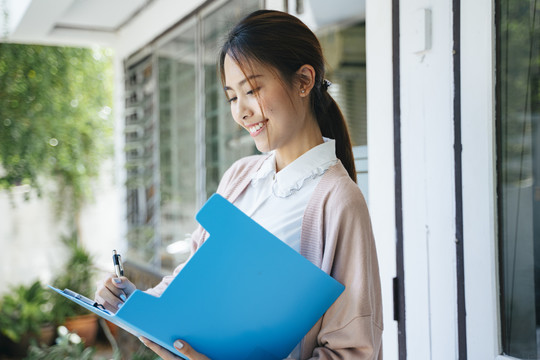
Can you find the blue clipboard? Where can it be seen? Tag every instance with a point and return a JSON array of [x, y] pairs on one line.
[[243, 295]]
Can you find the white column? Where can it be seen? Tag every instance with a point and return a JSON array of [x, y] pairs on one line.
[[427, 129], [381, 156], [479, 185]]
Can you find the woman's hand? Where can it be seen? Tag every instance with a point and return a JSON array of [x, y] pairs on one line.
[[182, 346], [113, 292]]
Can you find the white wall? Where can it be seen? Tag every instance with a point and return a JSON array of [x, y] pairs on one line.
[[29, 240], [428, 182], [381, 156], [30, 233], [102, 220]]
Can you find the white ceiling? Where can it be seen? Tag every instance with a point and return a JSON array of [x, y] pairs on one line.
[[74, 22], [128, 25], [125, 25], [99, 15]]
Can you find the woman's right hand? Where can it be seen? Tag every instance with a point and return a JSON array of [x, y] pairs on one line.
[[113, 292]]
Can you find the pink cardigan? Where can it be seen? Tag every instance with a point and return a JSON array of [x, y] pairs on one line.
[[337, 237]]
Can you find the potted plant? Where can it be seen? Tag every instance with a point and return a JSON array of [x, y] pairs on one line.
[[25, 314], [77, 275], [68, 346]]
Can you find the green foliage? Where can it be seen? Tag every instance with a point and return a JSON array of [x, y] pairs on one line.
[[24, 310], [68, 347], [55, 117], [519, 82], [77, 275]]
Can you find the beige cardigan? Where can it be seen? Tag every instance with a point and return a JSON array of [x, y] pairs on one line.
[[337, 237]]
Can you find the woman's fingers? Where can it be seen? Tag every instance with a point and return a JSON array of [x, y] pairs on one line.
[[162, 352], [120, 286], [113, 292], [109, 296]]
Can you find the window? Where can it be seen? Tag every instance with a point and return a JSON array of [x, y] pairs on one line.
[[176, 60], [518, 139], [345, 52], [180, 137], [225, 140], [139, 141]]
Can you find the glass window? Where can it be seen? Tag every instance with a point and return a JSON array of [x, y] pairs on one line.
[[177, 61], [225, 140], [345, 52], [518, 164], [167, 105], [139, 142]]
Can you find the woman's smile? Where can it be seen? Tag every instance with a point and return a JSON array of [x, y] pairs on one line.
[[257, 128]]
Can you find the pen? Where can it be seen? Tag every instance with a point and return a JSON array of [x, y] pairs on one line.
[[117, 262], [85, 300]]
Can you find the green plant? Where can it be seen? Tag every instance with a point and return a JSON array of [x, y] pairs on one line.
[[68, 347], [24, 311], [77, 275], [55, 119]]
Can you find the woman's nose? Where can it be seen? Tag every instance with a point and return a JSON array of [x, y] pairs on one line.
[[244, 110]]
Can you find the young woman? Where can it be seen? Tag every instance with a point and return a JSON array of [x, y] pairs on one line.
[[303, 189]]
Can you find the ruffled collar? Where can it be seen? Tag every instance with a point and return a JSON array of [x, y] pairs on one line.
[[309, 165]]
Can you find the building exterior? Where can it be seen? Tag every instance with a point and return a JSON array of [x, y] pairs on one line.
[[443, 100]]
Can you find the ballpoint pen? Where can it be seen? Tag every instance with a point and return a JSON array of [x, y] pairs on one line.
[[117, 261], [85, 300], [119, 270]]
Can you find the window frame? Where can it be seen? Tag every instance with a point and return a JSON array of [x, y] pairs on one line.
[[478, 77], [479, 179]]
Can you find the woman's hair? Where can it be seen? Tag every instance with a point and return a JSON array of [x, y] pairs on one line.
[[284, 43]]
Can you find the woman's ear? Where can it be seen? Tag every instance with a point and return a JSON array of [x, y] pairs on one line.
[[306, 76]]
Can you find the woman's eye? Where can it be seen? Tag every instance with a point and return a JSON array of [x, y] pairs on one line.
[[251, 92], [231, 100]]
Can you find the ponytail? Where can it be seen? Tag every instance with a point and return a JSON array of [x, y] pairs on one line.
[[333, 125]]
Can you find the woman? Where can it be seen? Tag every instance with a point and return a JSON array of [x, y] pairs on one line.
[[272, 69]]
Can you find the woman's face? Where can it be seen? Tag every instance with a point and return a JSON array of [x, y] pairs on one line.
[[277, 118]]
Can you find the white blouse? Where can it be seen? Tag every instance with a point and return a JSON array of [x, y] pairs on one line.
[[277, 200]]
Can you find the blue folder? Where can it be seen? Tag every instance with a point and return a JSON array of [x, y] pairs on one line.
[[243, 295]]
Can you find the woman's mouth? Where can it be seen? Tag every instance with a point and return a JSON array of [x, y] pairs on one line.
[[257, 128]]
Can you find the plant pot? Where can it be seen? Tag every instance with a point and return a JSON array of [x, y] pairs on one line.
[[19, 349], [86, 326], [112, 328], [47, 335]]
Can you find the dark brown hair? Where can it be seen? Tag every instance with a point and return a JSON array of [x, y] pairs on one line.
[[284, 43]]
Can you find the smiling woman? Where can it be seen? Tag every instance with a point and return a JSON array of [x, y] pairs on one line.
[[302, 189]]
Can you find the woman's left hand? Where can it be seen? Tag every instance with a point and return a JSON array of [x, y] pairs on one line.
[[182, 346]]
